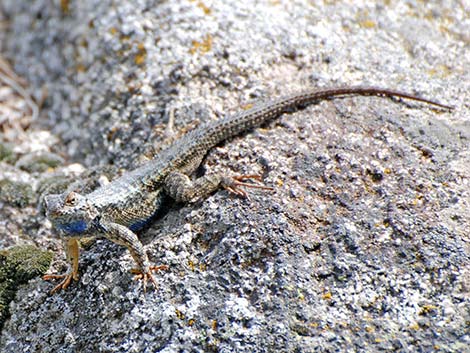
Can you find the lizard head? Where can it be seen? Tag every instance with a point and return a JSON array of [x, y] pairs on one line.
[[70, 212]]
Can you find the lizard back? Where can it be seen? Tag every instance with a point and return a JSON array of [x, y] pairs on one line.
[[137, 195], [186, 154]]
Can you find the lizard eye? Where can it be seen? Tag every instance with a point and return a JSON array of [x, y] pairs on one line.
[[71, 199]]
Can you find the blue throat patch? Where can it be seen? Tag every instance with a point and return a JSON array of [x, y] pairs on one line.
[[73, 227]]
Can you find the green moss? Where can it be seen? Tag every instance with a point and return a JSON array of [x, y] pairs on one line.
[[26, 261], [54, 184], [16, 193], [39, 162], [6, 154], [18, 265]]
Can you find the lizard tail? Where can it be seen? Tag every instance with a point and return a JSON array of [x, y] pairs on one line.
[[246, 120]]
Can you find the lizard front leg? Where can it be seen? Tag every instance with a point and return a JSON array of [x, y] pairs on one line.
[[124, 236], [182, 189], [72, 253]]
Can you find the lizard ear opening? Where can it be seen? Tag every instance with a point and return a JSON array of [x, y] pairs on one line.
[[71, 199]]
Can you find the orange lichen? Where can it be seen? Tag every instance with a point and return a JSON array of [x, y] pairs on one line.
[[179, 314], [203, 46], [191, 265], [203, 7], [65, 6], [141, 55]]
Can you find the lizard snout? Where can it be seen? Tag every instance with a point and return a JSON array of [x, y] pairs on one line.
[[53, 204]]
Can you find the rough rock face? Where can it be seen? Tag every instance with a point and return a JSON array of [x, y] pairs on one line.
[[363, 245]]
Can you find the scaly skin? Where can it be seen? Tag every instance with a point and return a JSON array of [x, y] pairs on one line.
[[119, 209]]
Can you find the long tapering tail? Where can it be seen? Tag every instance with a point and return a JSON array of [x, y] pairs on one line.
[[260, 113]]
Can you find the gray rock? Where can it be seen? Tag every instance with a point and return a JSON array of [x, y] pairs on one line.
[[362, 245]]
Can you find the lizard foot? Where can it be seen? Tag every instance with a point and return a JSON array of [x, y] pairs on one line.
[[234, 184], [145, 276], [67, 278]]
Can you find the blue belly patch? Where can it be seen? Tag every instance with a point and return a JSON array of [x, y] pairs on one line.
[[141, 223], [137, 225], [73, 227]]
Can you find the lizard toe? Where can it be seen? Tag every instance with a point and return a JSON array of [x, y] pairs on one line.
[[235, 184], [146, 276], [66, 280]]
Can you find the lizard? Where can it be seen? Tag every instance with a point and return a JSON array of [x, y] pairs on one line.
[[119, 209]]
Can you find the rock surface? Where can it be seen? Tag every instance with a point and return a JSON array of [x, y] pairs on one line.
[[363, 244]]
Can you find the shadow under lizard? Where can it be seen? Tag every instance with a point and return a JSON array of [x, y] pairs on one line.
[[124, 206]]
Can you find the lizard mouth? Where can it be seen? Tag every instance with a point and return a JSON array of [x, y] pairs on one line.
[[52, 213]]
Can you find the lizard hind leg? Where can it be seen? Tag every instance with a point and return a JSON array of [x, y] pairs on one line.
[[182, 189]]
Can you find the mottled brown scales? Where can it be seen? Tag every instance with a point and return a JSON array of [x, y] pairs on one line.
[[119, 209]]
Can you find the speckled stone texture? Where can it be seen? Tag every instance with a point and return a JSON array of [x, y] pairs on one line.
[[362, 246]]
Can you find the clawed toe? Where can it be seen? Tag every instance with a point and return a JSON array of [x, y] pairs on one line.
[[235, 184], [67, 278], [139, 275]]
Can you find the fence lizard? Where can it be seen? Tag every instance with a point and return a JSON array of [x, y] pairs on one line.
[[122, 207]]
